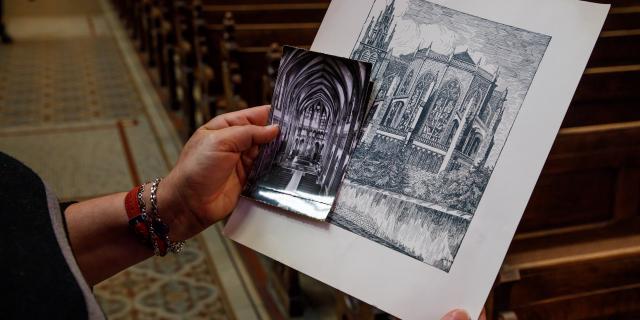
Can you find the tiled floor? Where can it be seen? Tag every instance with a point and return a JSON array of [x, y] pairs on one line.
[[76, 106], [76, 162]]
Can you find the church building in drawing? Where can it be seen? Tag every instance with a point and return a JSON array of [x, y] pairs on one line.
[[441, 110]]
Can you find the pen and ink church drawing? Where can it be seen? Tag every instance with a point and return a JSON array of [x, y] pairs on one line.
[[445, 107], [439, 120]]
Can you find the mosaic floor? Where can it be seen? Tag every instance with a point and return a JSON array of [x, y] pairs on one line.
[[76, 107]]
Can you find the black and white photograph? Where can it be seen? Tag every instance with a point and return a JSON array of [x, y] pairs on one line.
[[319, 103], [448, 88]]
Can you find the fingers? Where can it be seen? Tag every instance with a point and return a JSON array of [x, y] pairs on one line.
[[256, 116], [249, 156], [456, 315], [483, 315], [239, 139]]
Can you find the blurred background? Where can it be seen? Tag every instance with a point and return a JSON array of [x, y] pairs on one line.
[[99, 95]]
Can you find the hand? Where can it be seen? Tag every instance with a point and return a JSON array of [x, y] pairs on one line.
[[461, 315], [205, 184]]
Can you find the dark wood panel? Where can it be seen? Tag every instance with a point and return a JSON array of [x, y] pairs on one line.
[[580, 142], [623, 18], [569, 199], [263, 35], [252, 2], [545, 283], [619, 3], [615, 86], [599, 112], [530, 242], [253, 65], [608, 304], [266, 15], [614, 49]]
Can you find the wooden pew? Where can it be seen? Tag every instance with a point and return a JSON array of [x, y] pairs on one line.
[[253, 44], [576, 248], [257, 25], [598, 280], [273, 57], [231, 74], [261, 12], [187, 63], [604, 95], [608, 90], [236, 3]]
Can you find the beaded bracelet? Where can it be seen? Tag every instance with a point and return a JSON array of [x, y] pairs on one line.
[[148, 227], [136, 212]]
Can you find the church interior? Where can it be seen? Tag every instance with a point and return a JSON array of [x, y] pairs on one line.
[[98, 96], [318, 102]]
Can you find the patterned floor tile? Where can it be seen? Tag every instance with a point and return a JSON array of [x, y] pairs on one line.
[[166, 288], [68, 80], [76, 164]]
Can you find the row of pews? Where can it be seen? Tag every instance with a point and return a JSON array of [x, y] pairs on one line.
[[213, 56], [576, 253]]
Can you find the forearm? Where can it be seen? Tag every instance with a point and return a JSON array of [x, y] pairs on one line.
[[202, 189], [100, 237]]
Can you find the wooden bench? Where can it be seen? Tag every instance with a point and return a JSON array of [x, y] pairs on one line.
[[576, 248], [266, 12], [592, 280], [254, 41], [608, 91]]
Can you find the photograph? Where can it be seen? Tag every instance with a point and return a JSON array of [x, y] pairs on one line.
[[448, 87], [319, 103]]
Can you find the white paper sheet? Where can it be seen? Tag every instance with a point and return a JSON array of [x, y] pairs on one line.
[[421, 287]]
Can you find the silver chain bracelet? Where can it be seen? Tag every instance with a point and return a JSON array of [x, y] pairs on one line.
[[175, 247]]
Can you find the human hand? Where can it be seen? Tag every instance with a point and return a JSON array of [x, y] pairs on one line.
[[461, 315], [205, 184]]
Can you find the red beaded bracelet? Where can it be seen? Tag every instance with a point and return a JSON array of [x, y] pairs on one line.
[[147, 226], [137, 218]]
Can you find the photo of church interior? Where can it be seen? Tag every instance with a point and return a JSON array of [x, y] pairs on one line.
[[99, 96], [319, 104]]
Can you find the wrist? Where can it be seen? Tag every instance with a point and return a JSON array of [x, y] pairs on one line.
[[172, 210]]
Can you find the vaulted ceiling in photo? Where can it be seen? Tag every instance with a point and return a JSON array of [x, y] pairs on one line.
[[311, 79]]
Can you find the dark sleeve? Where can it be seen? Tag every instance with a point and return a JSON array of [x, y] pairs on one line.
[[41, 277]]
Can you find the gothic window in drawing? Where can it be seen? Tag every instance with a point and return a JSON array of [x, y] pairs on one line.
[[405, 84], [472, 102], [366, 55], [420, 89], [394, 111], [405, 119], [384, 89], [484, 113], [443, 106], [452, 132], [374, 35], [473, 144]]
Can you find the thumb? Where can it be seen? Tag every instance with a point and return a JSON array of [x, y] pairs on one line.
[[456, 315], [242, 138]]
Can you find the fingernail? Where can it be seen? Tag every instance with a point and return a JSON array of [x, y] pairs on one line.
[[456, 315]]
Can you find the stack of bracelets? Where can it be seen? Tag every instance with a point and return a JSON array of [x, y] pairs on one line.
[[147, 226]]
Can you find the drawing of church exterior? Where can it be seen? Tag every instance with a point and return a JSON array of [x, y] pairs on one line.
[[439, 110]]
